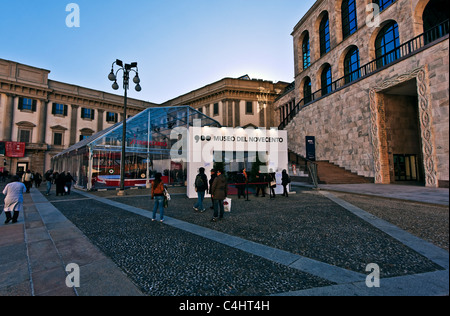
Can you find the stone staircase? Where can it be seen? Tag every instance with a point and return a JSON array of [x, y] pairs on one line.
[[329, 173]]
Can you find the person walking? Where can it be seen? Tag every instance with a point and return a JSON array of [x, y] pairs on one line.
[[48, 177], [14, 199], [27, 179], [241, 180], [158, 196], [69, 180], [211, 181], [201, 186], [285, 180], [60, 183], [37, 179], [272, 184], [219, 192], [261, 186]]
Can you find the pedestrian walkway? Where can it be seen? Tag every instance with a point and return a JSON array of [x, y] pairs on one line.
[[436, 196], [37, 250]]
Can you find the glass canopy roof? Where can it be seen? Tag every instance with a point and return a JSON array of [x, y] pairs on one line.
[[148, 130]]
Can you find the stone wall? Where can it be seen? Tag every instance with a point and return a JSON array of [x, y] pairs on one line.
[[347, 123]]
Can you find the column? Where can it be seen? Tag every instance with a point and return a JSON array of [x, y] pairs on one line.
[[8, 117], [42, 124], [73, 124], [237, 113], [100, 120]]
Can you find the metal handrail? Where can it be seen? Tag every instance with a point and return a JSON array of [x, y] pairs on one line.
[[402, 51]]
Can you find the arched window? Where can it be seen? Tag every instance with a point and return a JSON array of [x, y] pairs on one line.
[[387, 45], [307, 91], [349, 19], [383, 4], [306, 51], [436, 12], [326, 80], [324, 33], [351, 65]]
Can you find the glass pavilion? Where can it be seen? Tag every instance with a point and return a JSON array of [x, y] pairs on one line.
[[95, 162]]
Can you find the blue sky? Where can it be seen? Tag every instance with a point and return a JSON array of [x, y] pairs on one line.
[[180, 45]]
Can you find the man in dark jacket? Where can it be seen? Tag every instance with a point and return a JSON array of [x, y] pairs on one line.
[[219, 192], [211, 181], [201, 185]]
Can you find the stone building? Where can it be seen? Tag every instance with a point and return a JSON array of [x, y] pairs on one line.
[[240, 102], [373, 89], [50, 116]]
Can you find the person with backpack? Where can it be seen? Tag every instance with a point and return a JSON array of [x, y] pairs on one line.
[[158, 195], [201, 186]]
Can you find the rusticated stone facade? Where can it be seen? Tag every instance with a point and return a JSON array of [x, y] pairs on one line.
[[401, 108]]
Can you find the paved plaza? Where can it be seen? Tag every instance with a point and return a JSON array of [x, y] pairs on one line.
[[314, 243]]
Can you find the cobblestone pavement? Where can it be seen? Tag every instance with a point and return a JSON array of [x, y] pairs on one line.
[[312, 243]]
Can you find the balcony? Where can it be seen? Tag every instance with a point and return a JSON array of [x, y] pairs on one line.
[[402, 52]]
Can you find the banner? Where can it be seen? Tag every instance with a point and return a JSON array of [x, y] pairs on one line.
[[15, 149]]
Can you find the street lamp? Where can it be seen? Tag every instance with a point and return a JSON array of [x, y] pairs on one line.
[[126, 79]]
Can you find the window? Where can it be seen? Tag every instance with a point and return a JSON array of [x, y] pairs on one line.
[[59, 109], [326, 80], [383, 4], [435, 14], [26, 104], [306, 51], [87, 113], [387, 45], [24, 136], [324, 33], [112, 117], [249, 107], [58, 139], [307, 91], [83, 137], [349, 19], [216, 108], [351, 65]]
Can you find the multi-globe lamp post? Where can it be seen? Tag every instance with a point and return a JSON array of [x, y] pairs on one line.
[[127, 68]]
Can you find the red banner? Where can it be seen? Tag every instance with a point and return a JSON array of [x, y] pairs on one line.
[[15, 149]]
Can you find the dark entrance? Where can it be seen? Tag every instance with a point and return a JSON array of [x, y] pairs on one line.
[[403, 133]]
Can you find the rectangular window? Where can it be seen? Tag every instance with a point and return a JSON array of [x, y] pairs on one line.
[[24, 136], [112, 117], [87, 113], [27, 104], [216, 109], [249, 107], [57, 139], [59, 109]]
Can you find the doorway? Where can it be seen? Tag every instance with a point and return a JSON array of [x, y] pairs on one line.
[[22, 167], [403, 134]]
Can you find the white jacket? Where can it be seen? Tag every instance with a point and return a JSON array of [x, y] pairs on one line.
[[14, 196]]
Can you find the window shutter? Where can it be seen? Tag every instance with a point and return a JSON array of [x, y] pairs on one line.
[[34, 106], [20, 103], [92, 114], [53, 108], [65, 109]]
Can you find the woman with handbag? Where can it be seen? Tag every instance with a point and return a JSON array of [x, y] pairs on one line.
[[158, 195]]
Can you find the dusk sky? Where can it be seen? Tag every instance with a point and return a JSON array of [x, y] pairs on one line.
[[180, 45]]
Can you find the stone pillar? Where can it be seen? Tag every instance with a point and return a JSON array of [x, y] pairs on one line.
[[100, 120], [73, 124], [237, 113], [42, 124], [8, 117]]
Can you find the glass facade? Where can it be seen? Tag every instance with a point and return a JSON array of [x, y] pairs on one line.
[[95, 162]]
